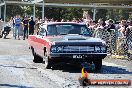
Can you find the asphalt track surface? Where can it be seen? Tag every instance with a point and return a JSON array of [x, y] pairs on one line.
[[18, 71]]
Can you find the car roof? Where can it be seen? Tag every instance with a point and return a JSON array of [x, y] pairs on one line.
[[55, 23]]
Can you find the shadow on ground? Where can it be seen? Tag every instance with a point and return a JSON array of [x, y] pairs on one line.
[[114, 70], [10, 66], [77, 69], [17, 86]]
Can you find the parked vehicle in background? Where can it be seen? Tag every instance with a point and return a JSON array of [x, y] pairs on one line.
[[67, 42]]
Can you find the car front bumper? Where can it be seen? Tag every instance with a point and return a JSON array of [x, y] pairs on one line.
[[77, 58], [79, 55]]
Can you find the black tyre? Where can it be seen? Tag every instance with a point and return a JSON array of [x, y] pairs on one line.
[[37, 59], [98, 64], [47, 61], [4, 36], [33, 52]]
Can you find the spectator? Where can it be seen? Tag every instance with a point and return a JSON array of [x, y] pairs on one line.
[[122, 28], [17, 26], [38, 23], [99, 30], [1, 27], [13, 26], [25, 29], [31, 26], [74, 20], [90, 24], [1, 24], [62, 20], [110, 25], [128, 34], [100, 24]]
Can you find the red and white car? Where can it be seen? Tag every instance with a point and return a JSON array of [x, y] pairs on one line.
[[66, 42]]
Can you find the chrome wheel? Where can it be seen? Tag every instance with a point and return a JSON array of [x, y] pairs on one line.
[[47, 62]]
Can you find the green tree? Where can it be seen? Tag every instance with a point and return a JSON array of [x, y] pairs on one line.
[[72, 13], [118, 14], [101, 13], [68, 13], [13, 10], [130, 17]]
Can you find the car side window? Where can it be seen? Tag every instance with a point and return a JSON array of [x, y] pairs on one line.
[[52, 30]]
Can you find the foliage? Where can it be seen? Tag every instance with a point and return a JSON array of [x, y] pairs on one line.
[[71, 13], [101, 13], [130, 16], [68, 13], [118, 14], [13, 10]]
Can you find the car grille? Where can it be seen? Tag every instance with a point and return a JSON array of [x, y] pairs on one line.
[[78, 49]]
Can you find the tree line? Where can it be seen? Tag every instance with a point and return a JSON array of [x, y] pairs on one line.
[[68, 13]]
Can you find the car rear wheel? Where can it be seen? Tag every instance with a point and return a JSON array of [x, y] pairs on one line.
[[0, 36], [47, 61], [98, 64]]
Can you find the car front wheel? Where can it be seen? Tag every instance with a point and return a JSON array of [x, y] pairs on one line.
[[47, 61], [37, 59], [98, 64]]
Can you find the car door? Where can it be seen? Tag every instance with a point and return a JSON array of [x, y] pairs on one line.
[[41, 43], [32, 41]]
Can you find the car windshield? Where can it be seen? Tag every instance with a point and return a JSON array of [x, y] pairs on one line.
[[64, 29]]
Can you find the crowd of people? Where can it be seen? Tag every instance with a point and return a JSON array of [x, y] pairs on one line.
[[101, 29], [118, 35], [27, 26]]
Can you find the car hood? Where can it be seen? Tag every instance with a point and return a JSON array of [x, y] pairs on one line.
[[75, 40]]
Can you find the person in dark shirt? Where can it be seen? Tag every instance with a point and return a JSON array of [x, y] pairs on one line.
[[110, 25], [25, 24], [31, 26]]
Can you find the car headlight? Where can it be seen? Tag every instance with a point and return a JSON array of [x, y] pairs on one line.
[[103, 42], [53, 49], [97, 49], [56, 49], [59, 49]]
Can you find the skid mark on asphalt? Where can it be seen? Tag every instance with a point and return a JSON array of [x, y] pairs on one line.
[[15, 57]]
